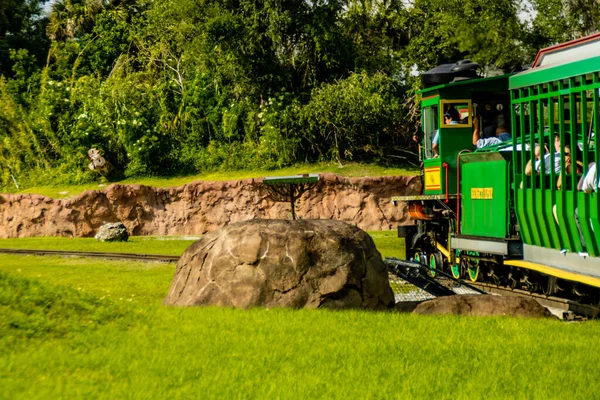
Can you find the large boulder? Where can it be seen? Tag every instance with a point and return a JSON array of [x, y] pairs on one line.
[[116, 232], [283, 263], [483, 305]]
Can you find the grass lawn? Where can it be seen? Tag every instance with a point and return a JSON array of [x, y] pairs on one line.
[[81, 328], [348, 170], [166, 245], [387, 242]]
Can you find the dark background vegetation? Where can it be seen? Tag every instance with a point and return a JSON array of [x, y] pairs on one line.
[[170, 87]]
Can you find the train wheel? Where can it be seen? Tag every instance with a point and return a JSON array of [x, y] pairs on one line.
[[435, 263], [458, 269], [417, 257], [473, 266], [455, 268], [473, 272]]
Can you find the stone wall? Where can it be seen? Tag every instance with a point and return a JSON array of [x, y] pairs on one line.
[[200, 207]]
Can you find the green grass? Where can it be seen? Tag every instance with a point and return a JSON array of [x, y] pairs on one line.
[[32, 309], [348, 170], [387, 243], [148, 351], [166, 245], [81, 328]]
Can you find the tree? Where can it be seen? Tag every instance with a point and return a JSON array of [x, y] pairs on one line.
[[21, 27], [353, 117], [558, 21], [486, 31]]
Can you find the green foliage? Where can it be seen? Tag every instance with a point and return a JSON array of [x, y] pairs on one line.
[[487, 32], [21, 28], [171, 87], [353, 115], [21, 151], [560, 21]]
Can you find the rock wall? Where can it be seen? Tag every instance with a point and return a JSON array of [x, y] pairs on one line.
[[200, 207]]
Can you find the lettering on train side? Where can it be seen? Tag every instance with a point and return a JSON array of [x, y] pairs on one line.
[[482, 193]]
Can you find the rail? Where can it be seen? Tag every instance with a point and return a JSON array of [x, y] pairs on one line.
[[117, 256]]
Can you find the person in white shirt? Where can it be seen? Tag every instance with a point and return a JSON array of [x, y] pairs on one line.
[[590, 181], [588, 184], [537, 165], [502, 135]]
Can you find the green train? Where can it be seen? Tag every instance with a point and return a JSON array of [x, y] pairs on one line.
[[504, 163]]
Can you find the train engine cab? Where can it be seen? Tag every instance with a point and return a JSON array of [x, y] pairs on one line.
[[455, 98]]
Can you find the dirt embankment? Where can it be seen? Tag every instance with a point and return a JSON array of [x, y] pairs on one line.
[[200, 207]]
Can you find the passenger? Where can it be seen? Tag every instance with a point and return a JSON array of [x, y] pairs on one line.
[[451, 117], [502, 135], [530, 167], [588, 184], [569, 162]]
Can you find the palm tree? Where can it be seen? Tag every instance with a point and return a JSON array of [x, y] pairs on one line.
[[69, 18]]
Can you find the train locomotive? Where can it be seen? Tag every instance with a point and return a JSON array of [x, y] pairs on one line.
[[512, 213]]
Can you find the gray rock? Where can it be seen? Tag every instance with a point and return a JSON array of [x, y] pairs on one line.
[[116, 232], [283, 263], [482, 305]]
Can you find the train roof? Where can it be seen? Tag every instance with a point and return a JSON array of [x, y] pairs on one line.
[[463, 82], [577, 57]]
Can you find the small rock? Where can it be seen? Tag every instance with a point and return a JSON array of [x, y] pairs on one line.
[[116, 232], [482, 305]]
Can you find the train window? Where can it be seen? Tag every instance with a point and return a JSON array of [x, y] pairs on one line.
[[459, 110], [430, 128]]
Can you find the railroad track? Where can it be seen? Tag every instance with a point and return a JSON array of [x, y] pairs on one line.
[[572, 308], [95, 254], [443, 284]]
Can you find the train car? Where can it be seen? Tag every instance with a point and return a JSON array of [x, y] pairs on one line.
[[513, 213]]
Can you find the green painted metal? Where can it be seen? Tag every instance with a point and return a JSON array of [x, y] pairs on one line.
[[546, 213], [432, 99], [588, 220], [433, 176], [484, 191], [454, 139], [549, 74], [278, 180]]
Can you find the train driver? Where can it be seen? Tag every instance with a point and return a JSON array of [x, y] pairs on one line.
[[451, 117]]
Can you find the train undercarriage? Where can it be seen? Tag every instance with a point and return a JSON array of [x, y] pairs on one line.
[[433, 241]]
